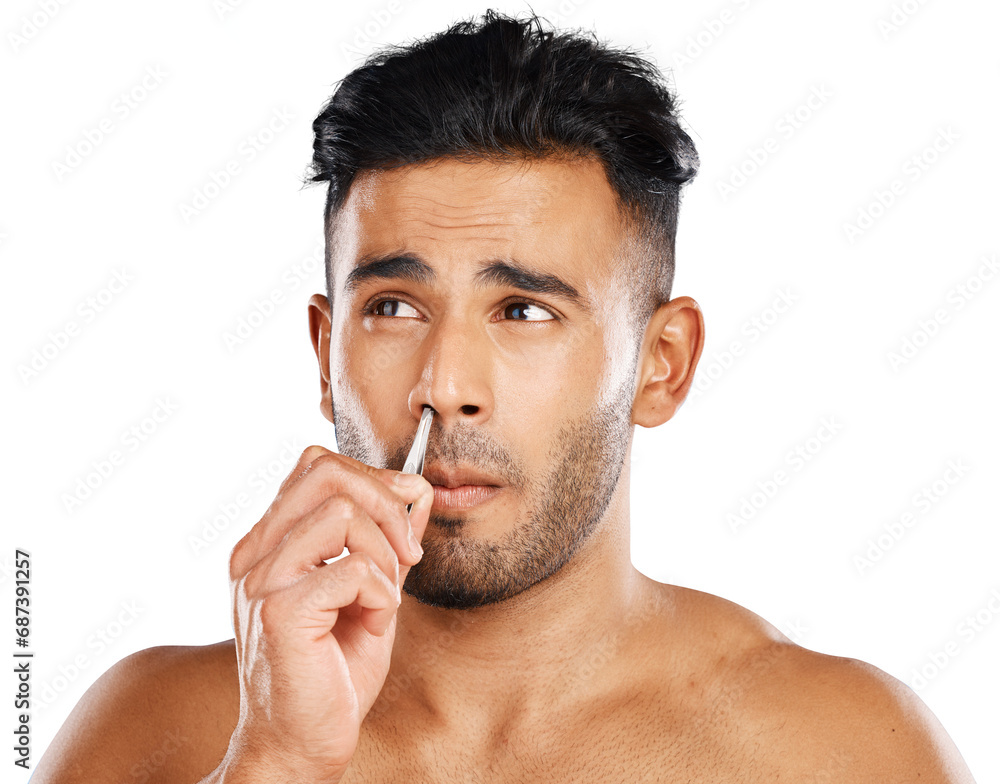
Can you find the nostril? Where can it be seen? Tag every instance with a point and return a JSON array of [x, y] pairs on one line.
[[470, 410]]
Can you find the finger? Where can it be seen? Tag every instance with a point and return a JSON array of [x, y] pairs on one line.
[[312, 605], [239, 564], [385, 475], [326, 475], [310, 453], [399, 483], [337, 523], [419, 516]]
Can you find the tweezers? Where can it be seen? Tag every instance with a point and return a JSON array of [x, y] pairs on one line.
[[415, 460]]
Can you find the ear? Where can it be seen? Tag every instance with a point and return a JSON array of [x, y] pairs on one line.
[[668, 357], [319, 330]]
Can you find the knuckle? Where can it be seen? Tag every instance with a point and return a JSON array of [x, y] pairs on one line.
[[320, 464], [341, 506], [237, 559], [360, 565], [251, 583], [311, 452], [304, 464], [325, 461]]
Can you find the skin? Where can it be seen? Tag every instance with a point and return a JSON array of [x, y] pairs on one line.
[[500, 387], [558, 662], [560, 489]]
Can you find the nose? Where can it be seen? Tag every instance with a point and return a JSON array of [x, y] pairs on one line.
[[456, 379]]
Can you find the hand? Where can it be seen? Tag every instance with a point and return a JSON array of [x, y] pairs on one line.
[[314, 640]]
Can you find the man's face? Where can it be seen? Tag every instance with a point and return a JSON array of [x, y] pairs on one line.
[[531, 387]]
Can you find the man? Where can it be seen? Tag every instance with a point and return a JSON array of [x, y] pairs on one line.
[[500, 227]]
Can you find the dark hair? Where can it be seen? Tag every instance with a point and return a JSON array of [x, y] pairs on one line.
[[504, 87]]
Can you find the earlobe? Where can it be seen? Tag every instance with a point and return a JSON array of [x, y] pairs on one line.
[[669, 356], [319, 330]]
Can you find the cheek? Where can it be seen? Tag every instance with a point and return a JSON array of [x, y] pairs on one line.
[[362, 398], [547, 383], [368, 367]]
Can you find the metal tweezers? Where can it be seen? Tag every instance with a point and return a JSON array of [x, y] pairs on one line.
[[415, 460]]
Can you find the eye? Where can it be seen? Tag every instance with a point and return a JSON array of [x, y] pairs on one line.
[[391, 310], [516, 310], [535, 312]]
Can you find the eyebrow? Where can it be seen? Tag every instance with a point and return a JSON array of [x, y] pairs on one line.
[[495, 272]]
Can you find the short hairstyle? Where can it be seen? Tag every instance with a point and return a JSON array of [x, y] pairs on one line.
[[502, 87]]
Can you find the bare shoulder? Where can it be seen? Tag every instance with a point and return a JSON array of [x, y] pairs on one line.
[[815, 716], [161, 714], [862, 721]]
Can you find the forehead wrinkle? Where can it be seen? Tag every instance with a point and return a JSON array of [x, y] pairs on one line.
[[471, 226], [470, 198], [466, 203], [468, 217], [481, 225]]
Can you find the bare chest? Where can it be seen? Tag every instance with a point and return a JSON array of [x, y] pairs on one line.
[[620, 751]]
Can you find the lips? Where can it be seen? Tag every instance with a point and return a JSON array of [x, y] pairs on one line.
[[458, 476], [464, 497]]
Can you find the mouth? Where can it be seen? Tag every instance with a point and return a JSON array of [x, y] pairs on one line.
[[461, 488], [463, 497]]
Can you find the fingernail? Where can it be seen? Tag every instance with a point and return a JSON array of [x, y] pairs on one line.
[[415, 549], [408, 480]]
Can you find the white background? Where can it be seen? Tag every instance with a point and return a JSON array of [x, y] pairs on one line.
[[888, 79]]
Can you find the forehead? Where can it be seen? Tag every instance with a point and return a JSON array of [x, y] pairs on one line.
[[547, 214]]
